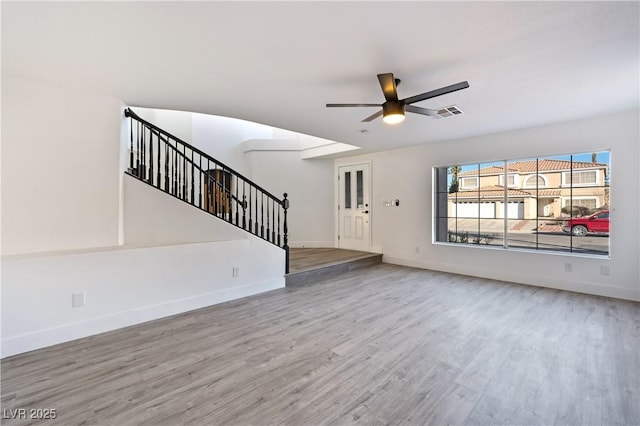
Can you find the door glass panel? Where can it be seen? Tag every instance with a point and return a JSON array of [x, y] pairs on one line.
[[359, 197], [347, 190]]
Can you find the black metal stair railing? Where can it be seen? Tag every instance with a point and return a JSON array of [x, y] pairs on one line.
[[179, 169]]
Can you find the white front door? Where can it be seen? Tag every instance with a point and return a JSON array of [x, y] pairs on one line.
[[354, 207]]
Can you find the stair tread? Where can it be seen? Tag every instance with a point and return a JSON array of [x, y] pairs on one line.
[[329, 264], [334, 263]]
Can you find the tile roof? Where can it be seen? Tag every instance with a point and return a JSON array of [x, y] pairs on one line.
[[544, 165], [496, 191], [549, 193], [491, 170]]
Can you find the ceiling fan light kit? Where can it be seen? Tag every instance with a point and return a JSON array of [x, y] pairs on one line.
[[393, 112], [393, 109]]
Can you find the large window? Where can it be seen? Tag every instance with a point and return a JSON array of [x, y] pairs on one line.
[[558, 203], [511, 180], [535, 181], [580, 178], [469, 182]]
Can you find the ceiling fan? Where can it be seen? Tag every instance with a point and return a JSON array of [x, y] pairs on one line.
[[393, 109]]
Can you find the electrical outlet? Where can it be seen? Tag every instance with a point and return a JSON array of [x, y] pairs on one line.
[[604, 270], [77, 300], [236, 272], [568, 267]]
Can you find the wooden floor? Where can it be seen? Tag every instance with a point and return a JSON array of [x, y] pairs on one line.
[[304, 259], [382, 345], [310, 265]]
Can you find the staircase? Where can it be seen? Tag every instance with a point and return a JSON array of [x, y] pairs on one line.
[[177, 168]]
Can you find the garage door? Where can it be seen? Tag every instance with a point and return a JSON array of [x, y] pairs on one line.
[[487, 210], [515, 210]]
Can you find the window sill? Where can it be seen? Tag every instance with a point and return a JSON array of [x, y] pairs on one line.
[[606, 256]]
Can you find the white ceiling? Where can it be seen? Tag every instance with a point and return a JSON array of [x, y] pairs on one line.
[[279, 63]]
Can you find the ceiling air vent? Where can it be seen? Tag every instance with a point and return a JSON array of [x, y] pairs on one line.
[[448, 112]]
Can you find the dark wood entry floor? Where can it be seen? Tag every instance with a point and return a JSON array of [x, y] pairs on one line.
[[304, 259], [313, 265]]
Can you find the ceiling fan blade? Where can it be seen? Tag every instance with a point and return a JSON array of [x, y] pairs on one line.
[[438, 92], [372, 117], [388, 84], [420, 110], [352, 105]]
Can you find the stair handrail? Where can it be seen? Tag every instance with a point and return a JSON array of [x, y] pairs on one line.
[[129, 113], [204, 172]]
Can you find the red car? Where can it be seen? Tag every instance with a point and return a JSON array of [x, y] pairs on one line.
[[597, 223]]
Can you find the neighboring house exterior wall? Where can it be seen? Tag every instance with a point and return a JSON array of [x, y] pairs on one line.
[[530, 194]]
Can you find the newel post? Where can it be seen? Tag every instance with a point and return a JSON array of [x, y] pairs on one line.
[[285, 229]]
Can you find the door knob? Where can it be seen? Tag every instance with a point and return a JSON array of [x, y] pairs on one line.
[[365, 211]]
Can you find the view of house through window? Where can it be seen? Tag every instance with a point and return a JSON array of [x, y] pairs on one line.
[[558, 203]]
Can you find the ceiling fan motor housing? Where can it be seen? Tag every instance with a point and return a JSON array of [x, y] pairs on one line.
[[392, 108]]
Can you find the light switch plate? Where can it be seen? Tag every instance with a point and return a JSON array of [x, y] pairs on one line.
[[77, 300]]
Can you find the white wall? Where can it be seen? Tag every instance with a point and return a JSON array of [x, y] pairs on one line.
[[309, 184], [223, 139], [406, 174], [125, 287], [177, 123], [153, 218], [60, 167]]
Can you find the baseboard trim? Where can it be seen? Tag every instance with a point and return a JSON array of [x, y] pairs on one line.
[[311, 244], [519, 278], [68, 332]]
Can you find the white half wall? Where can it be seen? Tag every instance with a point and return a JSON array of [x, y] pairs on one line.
[[123, 287], [60, 167], [405, 233], [161, 270]]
